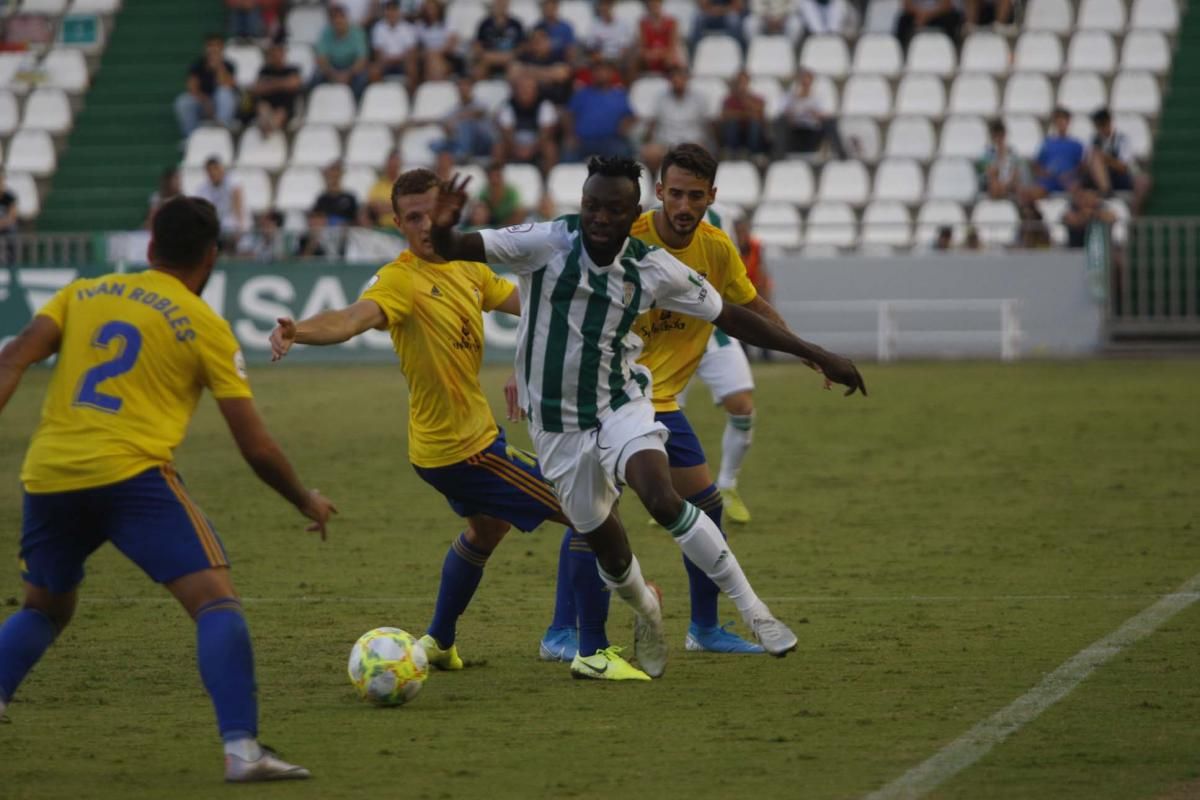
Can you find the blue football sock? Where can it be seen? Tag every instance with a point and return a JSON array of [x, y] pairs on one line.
[[564, 594], [24, 637], [227, 667], [591, 597], [703, 591], [461, 572]]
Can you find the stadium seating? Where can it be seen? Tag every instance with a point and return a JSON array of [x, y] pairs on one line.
[[384, 103], [771, 56], [266, 152], [369, 145], [887, 223], [10, 113], [878, 54], [900, 179], [331, 104], [789, 182], [316, 146], [777, 224]]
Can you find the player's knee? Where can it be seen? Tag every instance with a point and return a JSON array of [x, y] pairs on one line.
[[739, 404], [58, 608], [663, 503]]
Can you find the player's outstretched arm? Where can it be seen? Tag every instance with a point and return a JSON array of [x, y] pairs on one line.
[[37, 341], [447, 242], [270, 464], [759, 332], [328, 327]]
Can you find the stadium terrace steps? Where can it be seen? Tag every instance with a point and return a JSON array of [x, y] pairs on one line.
[[1176, 164], [126, 133]]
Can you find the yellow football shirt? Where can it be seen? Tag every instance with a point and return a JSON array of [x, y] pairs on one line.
[[135, 354], [674, 343], [435, 316]]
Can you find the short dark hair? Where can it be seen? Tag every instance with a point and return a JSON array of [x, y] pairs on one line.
[[1060, 111], [1101, 116], [208, 162], [692, 158], [413, 181], [996, 126], [616, 167], [184, 230]]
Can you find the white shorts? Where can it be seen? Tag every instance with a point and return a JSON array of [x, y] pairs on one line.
[[724, 368], [588, 467]]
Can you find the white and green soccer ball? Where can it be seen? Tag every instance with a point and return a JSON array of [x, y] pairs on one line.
[[388, 666]]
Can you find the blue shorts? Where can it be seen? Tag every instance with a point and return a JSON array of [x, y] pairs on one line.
[[501, 482], [148, 517], [683, 446]]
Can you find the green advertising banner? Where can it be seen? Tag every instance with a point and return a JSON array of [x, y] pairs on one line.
[[251, 296]]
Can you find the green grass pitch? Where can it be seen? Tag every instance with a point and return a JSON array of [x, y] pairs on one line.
[[938, 547]]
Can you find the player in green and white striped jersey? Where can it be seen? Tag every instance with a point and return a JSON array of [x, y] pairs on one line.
[[582, 283]]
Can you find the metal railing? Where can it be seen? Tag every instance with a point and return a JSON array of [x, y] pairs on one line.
[[51, 249], [1153, 288]]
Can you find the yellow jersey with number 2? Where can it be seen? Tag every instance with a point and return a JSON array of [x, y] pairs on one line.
[[675, 343]]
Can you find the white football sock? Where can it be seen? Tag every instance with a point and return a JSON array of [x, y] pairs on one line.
[[247, 749], [702, 542], [735, 443], [632, 588]]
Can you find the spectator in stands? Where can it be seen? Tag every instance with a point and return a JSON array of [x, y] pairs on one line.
[[981, 13], [945, 238], [773, 18], [439, 44], [659, 48], [8, 222], [1085, 210], [528, 123], [1033, 234], [1059, 161], [168, 186], [211, 92], [245, 19], [612, 37], [379, 199], [469, 130], [743, 120], [501, 199], [1003, 174], [317, 241], [394, 45], [342, 53], [827, 17], [276, 90], [226, 196], [719, 17], [267, 242], [562, 35], [1111, 165], [339, 206], [498, 42], [598, 118], [806, 122], [552, 74], [972, 241], [919, 15], [680, 115]]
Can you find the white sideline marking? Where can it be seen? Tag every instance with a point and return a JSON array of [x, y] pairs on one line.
[[975, 743]]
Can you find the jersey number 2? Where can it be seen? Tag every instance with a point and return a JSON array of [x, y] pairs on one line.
[[126, 357]]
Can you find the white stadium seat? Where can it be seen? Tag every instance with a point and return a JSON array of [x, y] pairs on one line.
[[825, 55], [358, 180], [384, 103], [10, 113], [370, 145], [32, 152], [205, 143], [298, 188], [416, 145], [47, 110], [1081, 128], [887, 223], [683, 11], [845, 182], [921, 94], [789, 182], [1121, 225], [94, 7], [831, 224], [738, 183], [247, 61], [717, 57], [191, 179], [305, 23], [25, 188], [527, 180], [256, 188], [50, 8], [881, 16], [963, 137], [878, 54], [526, 12], [632, 10], [300, 55], [463, 17], [714, 91], [1052, 209], [931, 53], [935, 214], [1104, 15], [1038, 51], [825, 90], [331, 104], [65, 69], [492, 94], [1028, 93], [772, 93], [579, 14], [1158, 15], [997, 221], [910, 137], [1092, 51], [316, 146], [860, 136], [778, 224], [899, 179], [1135, 127], [974, 93], [1081, 92], [952, 179], [867, 96], [563, 184], [433, 101], [11, 64], [984, 51], [1146, 50], [645, 93], [1136, 92], [771, 55], [1049, 15], [1024, 134], [267, 152]]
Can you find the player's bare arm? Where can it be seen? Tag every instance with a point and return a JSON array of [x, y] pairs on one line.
[[755, 330], [764, 309], [269, 463], [37, 341], [328, 327], [447, 242]]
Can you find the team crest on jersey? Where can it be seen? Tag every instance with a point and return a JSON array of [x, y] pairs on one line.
[[524, 227], [629, 292], [239, 364], [435, 291], [374, 280]]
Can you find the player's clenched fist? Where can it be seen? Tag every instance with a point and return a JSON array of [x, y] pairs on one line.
[[282, 337]]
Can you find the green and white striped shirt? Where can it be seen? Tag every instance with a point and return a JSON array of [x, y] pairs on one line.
[[576, 352]]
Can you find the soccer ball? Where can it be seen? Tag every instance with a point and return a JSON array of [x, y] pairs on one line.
[[388, 666]]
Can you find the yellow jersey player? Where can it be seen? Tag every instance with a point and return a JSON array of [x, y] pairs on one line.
[[134, 354], [433, 309]]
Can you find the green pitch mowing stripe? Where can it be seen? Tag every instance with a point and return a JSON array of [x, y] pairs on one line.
[[977, 742]]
